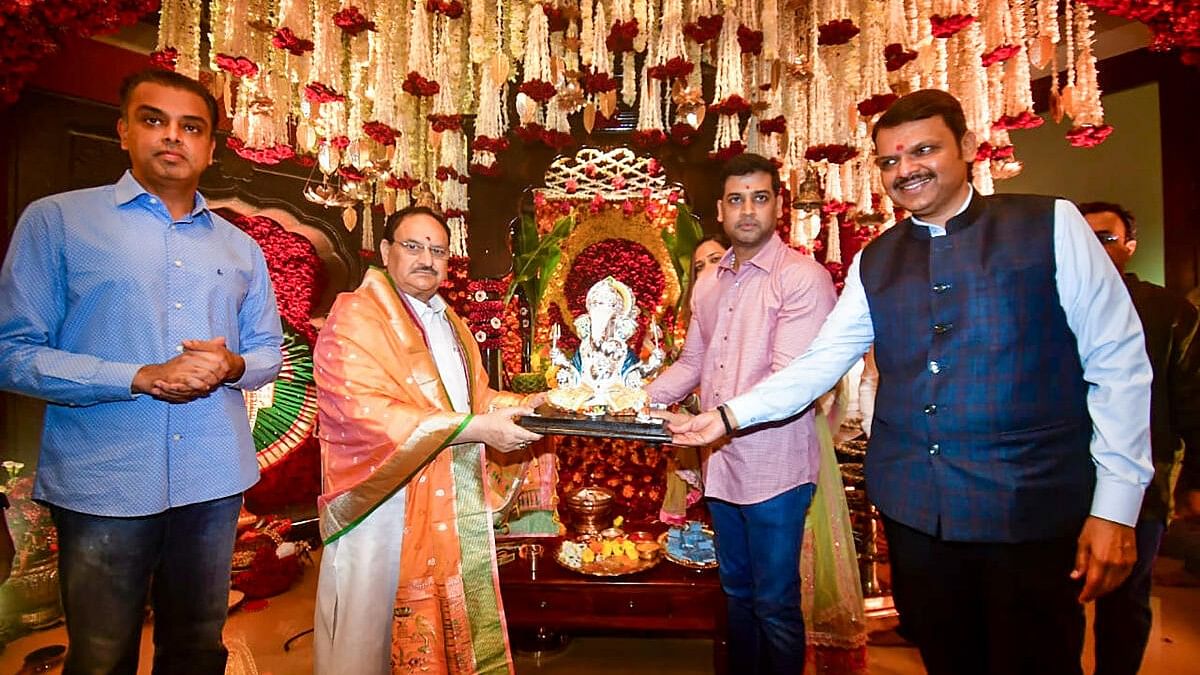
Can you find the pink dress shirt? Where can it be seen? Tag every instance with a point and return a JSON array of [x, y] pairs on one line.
[[746, 325]]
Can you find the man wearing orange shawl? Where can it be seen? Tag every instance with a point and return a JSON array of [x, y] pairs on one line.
[[404, 414]]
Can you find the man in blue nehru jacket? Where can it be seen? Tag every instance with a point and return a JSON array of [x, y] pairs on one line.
[[1010, 447]]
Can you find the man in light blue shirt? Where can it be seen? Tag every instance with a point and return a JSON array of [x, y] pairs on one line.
[[140, 316]]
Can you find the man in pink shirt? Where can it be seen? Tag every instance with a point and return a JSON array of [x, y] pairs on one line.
[[760, 310]]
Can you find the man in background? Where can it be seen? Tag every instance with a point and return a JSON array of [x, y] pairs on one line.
[[141, 316], [1123, 619]]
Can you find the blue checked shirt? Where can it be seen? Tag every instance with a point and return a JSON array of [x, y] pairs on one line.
[[1111, 349], [98, 283]]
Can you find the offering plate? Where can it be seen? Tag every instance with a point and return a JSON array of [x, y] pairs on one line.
[[547, 420], [616, 565], [696, 532]]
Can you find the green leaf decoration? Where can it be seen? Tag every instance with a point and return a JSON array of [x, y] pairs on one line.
[[536, 258], [682, 244]]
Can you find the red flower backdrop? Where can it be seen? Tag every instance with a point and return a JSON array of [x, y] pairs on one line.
[[296, 271], [455, 289], [512, 337], [1174, 23], [299, 278], [31, 30], [628, 262], [633, 470]]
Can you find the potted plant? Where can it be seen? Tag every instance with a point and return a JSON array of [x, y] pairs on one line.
[[535, 258]]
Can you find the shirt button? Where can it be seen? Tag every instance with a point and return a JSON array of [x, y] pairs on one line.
[[942, 328], [179, 348], [176, 437], [153, 200], [942, 287], [935, 449], [179, 305], [179, 263], [931, 409], [935, 367]]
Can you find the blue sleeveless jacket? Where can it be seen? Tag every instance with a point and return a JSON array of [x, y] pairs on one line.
[[981, 428]]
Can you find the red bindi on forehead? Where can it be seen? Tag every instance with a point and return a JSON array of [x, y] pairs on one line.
[[899, 147]]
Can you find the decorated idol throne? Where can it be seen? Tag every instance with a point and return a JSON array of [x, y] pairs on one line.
[[605, 214]]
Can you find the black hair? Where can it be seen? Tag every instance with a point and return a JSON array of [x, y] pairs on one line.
[[394, 220], [718, 237], [168, 78], [1123, 213], [924, 104], [748, 163]]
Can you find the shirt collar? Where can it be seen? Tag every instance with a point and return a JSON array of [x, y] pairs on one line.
[[128, 190], [941, 229], [435, 306], [764, 259]]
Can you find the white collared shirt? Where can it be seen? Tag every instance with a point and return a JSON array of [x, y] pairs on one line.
[[447, 354]]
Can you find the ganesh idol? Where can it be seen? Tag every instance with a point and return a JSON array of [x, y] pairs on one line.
[[604, 375]]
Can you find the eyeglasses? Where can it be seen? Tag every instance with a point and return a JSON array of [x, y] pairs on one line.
[[1107, 237], [414, 249]]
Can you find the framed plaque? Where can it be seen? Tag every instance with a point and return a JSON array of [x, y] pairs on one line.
[[550, 421]]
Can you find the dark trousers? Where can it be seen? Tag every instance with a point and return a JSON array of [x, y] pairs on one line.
[[985, 608], [106, 567], [758, 548], [1122, 625]]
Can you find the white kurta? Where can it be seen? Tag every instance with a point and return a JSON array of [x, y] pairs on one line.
[[360, 571]]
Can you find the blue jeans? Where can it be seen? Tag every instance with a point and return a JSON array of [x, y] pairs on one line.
[[1122, 625], [758, 548], [106, 567]]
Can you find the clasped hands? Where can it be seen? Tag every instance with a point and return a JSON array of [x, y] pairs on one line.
[[203, 366]]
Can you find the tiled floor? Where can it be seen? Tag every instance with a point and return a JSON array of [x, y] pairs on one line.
[[1174, 644]]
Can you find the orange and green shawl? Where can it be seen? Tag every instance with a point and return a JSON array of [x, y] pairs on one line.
[[386, 422]]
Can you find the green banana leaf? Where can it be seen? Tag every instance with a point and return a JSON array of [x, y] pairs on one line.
[[536, 257], [682, 244]]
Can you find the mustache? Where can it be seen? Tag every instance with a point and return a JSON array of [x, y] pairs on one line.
[[174, 149], [905, 181], [424, 268]]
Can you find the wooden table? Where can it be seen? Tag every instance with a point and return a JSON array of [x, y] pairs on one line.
[[666, 600]]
